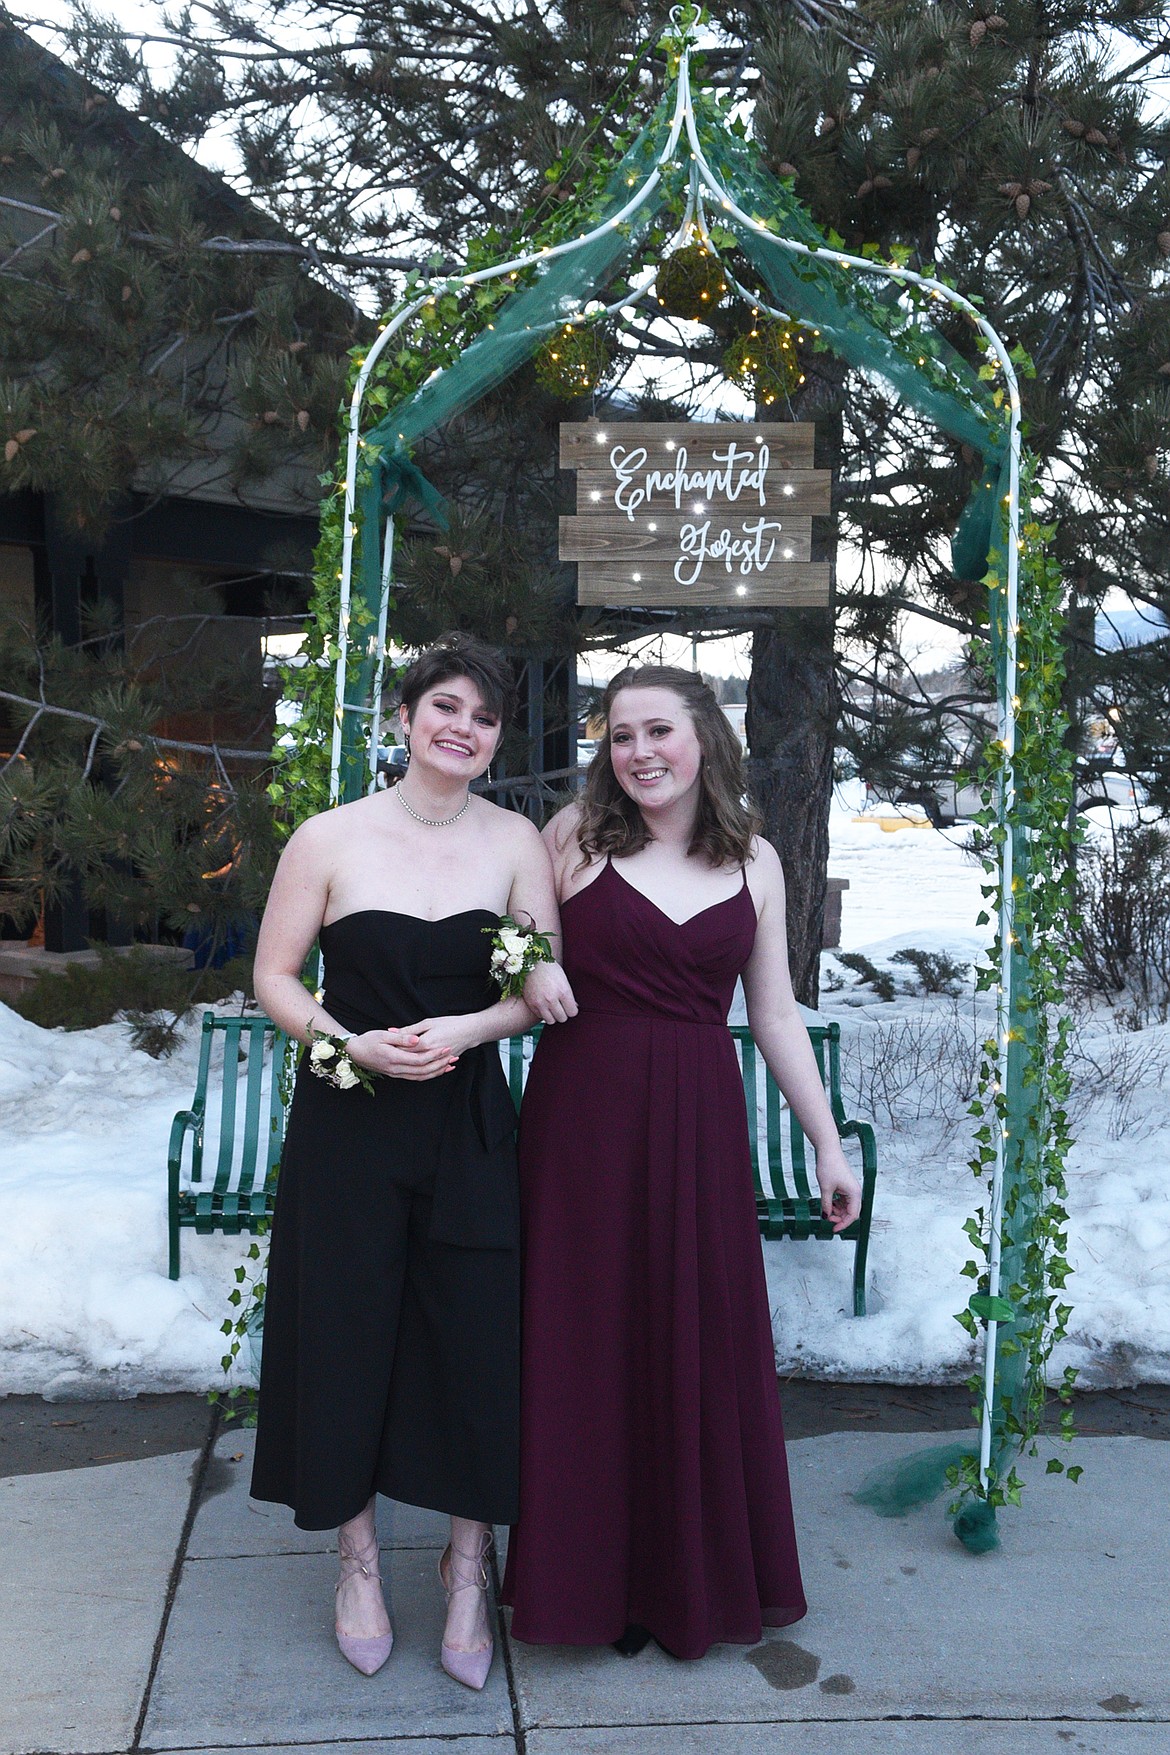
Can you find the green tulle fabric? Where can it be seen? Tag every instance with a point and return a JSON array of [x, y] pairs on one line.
[[875, 329]]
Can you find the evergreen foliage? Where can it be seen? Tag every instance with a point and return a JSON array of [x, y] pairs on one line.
[[150, 318], [168, 835]]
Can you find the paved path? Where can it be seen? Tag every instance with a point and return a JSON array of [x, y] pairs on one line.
[[151, 1605]]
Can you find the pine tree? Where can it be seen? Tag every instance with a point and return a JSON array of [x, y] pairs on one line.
[[1016, 151], [150, 317], [152, 326]]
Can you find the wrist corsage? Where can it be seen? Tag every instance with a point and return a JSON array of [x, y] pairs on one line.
[[329, 1059], [516, 950]]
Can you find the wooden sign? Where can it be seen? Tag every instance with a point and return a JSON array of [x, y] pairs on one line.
[[707, 513]]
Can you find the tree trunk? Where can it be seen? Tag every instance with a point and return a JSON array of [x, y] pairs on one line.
[[792, 706], [791, 725]]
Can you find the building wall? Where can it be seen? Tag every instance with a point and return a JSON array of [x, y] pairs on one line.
[[16, 581]]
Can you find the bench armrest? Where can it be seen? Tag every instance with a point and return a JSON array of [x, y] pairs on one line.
[[862, 1132], [186, 1121]]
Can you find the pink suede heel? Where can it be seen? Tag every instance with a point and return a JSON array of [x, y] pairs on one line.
[[469, 1667], [365, 1654]]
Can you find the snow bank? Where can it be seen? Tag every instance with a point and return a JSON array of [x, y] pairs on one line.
[[85, 1304]]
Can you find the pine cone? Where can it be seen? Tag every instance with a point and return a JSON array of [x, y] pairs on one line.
[[913, 154], [10, 450], [82, 255], [1011, 190], [1023, 203], [827, 124], [1095, 137], [1164, 243], [303, 419], [270, 417], [977, 32], [1164, 368], [995, 22], [25, 434], [882, 182], [865, 188], [929, 134], [787, 170], [1073, 127]]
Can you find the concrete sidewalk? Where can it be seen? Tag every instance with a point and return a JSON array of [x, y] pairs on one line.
[[151, 1605]]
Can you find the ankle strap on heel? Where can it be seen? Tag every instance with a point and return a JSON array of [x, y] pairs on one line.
[[353, 1559], [479, 1579]]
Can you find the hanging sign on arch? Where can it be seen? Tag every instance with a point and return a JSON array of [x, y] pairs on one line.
[[707, 513]]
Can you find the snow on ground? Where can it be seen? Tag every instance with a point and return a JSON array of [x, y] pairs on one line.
[[86, 1307], [85, 1303]]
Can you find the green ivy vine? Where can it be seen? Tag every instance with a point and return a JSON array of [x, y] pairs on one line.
[[1030, 1304]]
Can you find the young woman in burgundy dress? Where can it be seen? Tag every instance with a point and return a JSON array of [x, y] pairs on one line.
[[654, 1493], [391, 1330]]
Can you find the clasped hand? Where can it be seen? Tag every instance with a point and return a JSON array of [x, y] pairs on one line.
[[420, 1051], [548, 993]]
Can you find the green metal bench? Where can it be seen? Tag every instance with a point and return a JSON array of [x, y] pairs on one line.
[[787, 1203], [246, 1135]]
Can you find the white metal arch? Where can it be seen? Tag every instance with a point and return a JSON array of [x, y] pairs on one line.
[[704, 178]]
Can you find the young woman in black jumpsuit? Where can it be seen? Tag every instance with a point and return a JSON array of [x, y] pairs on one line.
[[390, 1358]]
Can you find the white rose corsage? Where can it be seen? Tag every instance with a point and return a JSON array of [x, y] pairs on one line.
[[330, 1060], [516, 950]]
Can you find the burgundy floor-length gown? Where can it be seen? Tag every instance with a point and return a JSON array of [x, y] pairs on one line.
[[653, 1479]]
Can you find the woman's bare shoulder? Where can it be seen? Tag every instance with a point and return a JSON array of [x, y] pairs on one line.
[[765, 874], [560, 832], [764, 858], [512, 827], [326, 827]]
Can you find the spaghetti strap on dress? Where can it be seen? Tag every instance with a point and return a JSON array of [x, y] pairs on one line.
[[653, 1483]]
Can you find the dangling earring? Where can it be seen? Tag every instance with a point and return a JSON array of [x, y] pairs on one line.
[[406, 746]]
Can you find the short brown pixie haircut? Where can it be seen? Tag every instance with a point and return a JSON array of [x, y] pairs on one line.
[[457, 654]]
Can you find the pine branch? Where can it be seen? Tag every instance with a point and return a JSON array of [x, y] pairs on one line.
[[163, 743]]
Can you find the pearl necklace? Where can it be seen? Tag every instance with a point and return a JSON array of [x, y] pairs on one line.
[[430, 822]]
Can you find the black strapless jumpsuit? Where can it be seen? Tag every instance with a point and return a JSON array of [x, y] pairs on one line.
[[391, 1330]]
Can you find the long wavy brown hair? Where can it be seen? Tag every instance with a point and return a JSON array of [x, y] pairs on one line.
[[611, 822]]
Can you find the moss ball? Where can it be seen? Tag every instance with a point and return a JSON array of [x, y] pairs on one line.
[[766, 362], [573, 361], [690, 282]]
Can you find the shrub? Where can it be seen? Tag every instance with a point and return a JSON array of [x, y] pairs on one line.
[[937, 972], [915, 1067], [1123, 899], [153, 993], [880, 980]]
